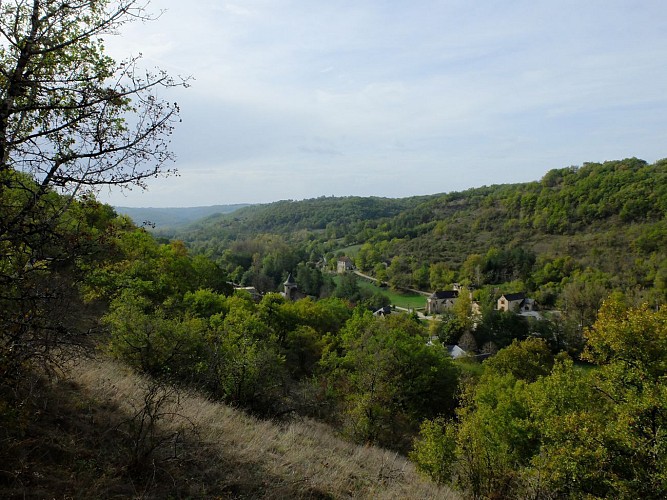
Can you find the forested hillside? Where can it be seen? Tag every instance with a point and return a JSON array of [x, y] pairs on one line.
[[608, 219], [328, 217], [170, 218]]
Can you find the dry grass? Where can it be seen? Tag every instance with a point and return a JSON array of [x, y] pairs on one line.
[[200, 449]]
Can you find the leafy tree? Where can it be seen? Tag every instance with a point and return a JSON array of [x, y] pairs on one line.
[[245, 368], [381, 272], [40, 272], [71, 116], [399, 273], [462, 310], [208, 275], [501, 265], [526, 360], [565, 432], [440, 276], [583, 295], [570, 416], [71, 120], [421, 277], [348, 288], [303, 351], [368, 257], [448, 329], [373, 300], [472, 268], [501, 327], [205, 303], [552, 270], [387, 378], [496, 437], [434, 450], [325, 315], [151, 341], [275, 316], [660, 281], [310, 279], [630, 345]]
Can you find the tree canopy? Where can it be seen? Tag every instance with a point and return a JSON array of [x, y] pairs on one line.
[[71, 120]]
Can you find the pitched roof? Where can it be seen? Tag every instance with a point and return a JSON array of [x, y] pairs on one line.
[[384, 311], [455, 351], [445, 294], [514, 296], [289, 280]]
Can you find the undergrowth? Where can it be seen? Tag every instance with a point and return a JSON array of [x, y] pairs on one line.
[[105, 432]]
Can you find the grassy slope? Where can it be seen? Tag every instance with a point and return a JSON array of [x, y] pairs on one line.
[[405, 300], [81, 441]]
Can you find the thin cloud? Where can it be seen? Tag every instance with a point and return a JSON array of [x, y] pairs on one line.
[[383, 92]]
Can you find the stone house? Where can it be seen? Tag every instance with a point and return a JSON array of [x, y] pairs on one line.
[[515, 302], [344, 265], [256, 296], [441, 300]]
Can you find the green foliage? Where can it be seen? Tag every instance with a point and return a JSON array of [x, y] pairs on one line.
[[440, 276], [47, 244], [496, 438], [526, 360], [434, 450], [462, 310], [448, 329], [608, 217], [368, 257], [501, 327], [163, 322], [570, 414], [72, 120], [204, 303], [630, 345], [304, 351], [325, 316], [311, 280], [329, 217], [151, 341], [526, 429], [386, 378], [245, 369], [399, 273], [500, 266], [158, 272], [348, 288], [583, 295]]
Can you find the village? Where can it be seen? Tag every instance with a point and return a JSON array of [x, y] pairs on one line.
[[437, 306]]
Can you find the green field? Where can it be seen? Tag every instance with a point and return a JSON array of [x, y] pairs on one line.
[[350, 251], [406, 300]]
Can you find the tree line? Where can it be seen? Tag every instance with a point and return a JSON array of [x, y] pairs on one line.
[[604, 218]]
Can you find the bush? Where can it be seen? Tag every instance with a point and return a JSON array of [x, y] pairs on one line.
[[434, 450]]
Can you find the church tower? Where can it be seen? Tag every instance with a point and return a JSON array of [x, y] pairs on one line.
[[290, 288]]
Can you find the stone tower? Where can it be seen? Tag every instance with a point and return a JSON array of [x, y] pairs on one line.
[[290, 288]]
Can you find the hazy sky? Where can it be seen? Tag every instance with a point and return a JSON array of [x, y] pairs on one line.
[[296, 99]]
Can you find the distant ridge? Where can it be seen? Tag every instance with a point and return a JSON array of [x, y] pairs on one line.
[[170, 217]]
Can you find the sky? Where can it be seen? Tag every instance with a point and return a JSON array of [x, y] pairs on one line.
[[296, 99]]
